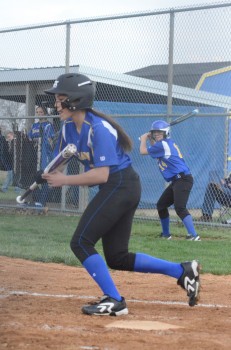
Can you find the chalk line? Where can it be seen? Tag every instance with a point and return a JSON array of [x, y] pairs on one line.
[[85, 297]]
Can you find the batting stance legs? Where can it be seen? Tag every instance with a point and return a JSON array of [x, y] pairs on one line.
[[177, 194], [101, 220]]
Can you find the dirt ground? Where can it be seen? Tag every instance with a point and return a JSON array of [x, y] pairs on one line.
[[40, 308]]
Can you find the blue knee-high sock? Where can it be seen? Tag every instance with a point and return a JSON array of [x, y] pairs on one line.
[[165, 226], [188, 223], [146, 263], [98, 270]]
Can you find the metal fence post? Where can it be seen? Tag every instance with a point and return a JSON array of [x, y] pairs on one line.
[[68, 43], [67, 68], [170, 62]]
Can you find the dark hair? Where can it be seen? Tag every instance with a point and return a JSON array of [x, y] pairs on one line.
[[45, 111], [124, 140]]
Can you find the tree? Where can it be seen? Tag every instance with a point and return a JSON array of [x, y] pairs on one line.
[[12, 114]]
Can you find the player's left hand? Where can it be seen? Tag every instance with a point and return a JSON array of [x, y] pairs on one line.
[[55, 179], [39, 179]]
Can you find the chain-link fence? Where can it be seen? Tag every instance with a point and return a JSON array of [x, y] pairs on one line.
[[147, 66]]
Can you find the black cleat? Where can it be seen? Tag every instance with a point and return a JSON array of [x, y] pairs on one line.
[[107, 306], [168, 237], [190, 280], [193, 238]]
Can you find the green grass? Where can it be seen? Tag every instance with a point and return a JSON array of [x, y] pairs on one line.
[[46, 238]]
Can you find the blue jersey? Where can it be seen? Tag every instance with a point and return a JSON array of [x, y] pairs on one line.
[[45, 131], [170, 159], [97, 143]]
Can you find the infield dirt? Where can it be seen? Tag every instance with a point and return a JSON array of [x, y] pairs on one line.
[[41, 309]]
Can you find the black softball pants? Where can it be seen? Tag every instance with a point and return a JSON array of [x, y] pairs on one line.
[[177, 194], [109, 216]]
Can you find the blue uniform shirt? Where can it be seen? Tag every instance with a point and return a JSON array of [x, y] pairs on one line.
[[97, 143], [44, 130], [170, 159]]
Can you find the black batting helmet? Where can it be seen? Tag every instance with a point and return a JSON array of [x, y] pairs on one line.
[[78, 88]]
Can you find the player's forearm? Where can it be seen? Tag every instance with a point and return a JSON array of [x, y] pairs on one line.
[[90, 178], [143, 148], [143, 144]]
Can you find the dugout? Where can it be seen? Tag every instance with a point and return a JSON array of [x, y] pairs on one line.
[[28, 85]]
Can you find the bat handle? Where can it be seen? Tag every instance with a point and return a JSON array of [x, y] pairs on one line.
[[21, 199]]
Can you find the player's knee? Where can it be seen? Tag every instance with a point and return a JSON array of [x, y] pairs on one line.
[[75, 247], [163, 213], [80, 247], [181, 212], [159, 205], [121, 262]]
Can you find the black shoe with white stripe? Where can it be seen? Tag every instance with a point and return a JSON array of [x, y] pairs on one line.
[[107, 306], [190, 281], [193, 238], [165, 236]]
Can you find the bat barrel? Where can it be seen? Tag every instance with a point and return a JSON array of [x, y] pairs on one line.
[[184, 117]]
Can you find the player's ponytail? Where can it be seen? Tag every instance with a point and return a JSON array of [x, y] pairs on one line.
[[124, 140]]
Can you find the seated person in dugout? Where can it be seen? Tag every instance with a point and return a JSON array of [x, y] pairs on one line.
[[220, 192]]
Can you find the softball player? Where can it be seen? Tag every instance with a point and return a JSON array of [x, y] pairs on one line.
[[174, 170], [42, 130], [102, 148], [42, 133]]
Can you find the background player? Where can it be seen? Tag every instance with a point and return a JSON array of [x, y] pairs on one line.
[[42, 134], [102, 147], [174, 169]]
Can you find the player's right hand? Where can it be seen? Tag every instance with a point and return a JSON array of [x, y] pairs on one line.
[[144, 137], [55, 179]]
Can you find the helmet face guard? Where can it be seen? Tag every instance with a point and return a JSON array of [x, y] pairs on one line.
[[78, 88], [162, 126]]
